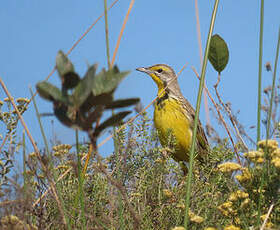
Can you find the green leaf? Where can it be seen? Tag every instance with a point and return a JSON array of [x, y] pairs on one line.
[[50, 92], [62, 114], [114, 120], [66, 71], [122, 103], [218, 53], [91, 101], [107, 81], [84, 88]]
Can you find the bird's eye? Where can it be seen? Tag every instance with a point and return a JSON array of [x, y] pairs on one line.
[[159, 70]]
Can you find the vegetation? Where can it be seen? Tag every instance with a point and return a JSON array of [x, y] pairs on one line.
[[139, 186]]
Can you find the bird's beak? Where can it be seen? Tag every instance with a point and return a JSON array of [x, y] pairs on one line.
[[144, 70]]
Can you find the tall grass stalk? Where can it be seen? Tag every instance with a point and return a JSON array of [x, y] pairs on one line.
[[273, 88], [260, 73], [64, 211], [265, 169], [80, 194], [259, 97], [41, 126], [201, 85], [24, 165], [119, 176]]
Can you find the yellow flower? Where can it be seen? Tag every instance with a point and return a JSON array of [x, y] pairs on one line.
[[167, 193], [1, 103], [62, 147], [270, 144], [275, 153], [259, 160], [231, 227], [178, 228], [210, 228], [245, 176], [238, 195], [255, 156], [181, 206], [136, 194], [195, 218], [22, 100], [226, 209], [228, 167], [245, 203], [276, 162]]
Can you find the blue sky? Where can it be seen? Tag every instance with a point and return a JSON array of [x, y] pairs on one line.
[[157, 31]]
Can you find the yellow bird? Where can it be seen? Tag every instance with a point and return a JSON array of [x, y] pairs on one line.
[[174, 115]]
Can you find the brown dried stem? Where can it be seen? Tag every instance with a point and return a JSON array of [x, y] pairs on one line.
[[121, 32], [229, 114], [221, 118], [52, 184]]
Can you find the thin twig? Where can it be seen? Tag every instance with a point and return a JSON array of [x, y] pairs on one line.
[[121, 32], [267, 216], [229, 114], [4, 141], [52, 185], [75, 44], [221, 118]]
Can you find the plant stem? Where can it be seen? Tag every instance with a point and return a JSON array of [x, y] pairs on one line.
[[107, 34], [260, 73], [201, 85]]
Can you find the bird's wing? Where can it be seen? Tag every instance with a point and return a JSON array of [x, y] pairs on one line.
[[202, 142]]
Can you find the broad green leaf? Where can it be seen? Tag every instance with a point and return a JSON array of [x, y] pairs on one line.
[[91, 101], [66, 71], [49, 92], [107, 81], [114, 120], [62, 114], [84, 88], [218, 53], [122, 103], [63, 64]]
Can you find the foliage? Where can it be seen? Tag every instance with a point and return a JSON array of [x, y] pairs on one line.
[[90, 96]]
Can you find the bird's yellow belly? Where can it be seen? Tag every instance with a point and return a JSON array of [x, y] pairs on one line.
[[170, 119]]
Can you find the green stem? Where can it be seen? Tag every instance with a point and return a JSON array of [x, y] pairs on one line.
[[273, 88], [260, 73], [41, 126], [201, 85], [51, 162], [81, 182], [259, 100], [265, 169]]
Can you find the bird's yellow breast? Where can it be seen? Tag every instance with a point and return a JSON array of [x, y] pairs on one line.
[[169, 118]]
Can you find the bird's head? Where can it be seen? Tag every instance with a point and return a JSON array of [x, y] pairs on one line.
[[162, 75]]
